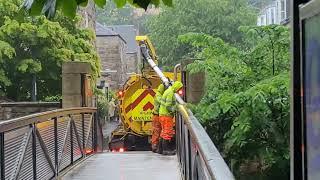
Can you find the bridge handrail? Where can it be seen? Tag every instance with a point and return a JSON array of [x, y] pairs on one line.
[[11, 124], [197, 154], [43, 145]]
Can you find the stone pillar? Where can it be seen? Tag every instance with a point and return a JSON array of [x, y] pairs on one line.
[[76, 85], [194, 83]]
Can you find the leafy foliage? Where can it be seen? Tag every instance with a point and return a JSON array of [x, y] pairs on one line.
[[55, 98], [103, 105], [37, 47], [246, 106], [220, 18], [69, 8], [110, 15]]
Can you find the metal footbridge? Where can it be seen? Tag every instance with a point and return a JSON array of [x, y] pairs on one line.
[[68, 144]]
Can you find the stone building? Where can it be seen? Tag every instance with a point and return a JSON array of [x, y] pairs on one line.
[[132, 62], [129, 33], [111, 49]]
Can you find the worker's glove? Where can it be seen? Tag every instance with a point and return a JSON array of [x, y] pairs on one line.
[[171, 82], [172, 108]]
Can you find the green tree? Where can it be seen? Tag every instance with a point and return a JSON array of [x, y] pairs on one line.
[[111, 15], [35, 46], [69, 8], [220, 18], [246, 105]]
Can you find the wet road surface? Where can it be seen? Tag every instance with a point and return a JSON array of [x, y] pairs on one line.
[[138, 165]]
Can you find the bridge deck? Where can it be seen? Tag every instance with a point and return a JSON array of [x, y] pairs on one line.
[[126, 166]]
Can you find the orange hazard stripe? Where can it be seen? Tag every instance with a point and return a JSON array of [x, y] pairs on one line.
[[148, 106], [139, 99]]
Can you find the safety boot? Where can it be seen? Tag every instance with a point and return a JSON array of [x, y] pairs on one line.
[[172, 145], [154, 147], [160, 149], [167, 149]]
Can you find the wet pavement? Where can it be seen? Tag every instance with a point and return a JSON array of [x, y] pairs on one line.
[[107, 129], [138, 165]]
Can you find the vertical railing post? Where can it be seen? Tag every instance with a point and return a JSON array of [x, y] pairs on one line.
[[83, 135], [95, 131], [2, 160], [189, 154], [56, 153], [184, 82], [183, 150], [178, 135], [71, 139], [34, 151]]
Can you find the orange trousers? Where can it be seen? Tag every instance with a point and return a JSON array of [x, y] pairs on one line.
[[167, 127], [156, 130]]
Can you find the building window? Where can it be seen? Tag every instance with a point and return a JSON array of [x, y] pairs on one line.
[[272, 15], [283, 10], [263, 20], [268, 17]]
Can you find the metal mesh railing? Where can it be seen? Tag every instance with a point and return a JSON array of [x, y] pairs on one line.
[[197, 155], [41, 146]]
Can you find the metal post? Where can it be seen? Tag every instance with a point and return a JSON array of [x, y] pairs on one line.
[[83, 135], [184, 82], [296, 106], [189, 154], [107, 93], [34, 152], [175, 71], [2, 160], [183, 145], [178, 119], [34, 88], [95, 131], [56, 153], [71, 139], [83, 90]]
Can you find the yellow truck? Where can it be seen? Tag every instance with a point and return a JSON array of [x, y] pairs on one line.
[[136, 103]]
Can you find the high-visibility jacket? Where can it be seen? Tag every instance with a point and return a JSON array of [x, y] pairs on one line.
[[168, 103], [157, 99]]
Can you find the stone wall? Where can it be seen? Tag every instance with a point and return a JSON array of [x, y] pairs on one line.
[[132, 62], [113, 61], [9, 110]]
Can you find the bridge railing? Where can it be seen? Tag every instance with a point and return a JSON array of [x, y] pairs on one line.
[[42, 145], [197, 155]]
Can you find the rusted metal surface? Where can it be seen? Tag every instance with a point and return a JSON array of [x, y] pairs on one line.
[[138, 165]]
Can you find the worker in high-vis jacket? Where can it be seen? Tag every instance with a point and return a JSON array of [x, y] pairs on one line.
[[166, 116], [156, 126]]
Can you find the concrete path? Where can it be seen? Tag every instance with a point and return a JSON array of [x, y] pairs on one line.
[[109, 127], [106, 130], [138, 165]]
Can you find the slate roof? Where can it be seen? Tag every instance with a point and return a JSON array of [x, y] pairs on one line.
[[105, 31], [128, 32]]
